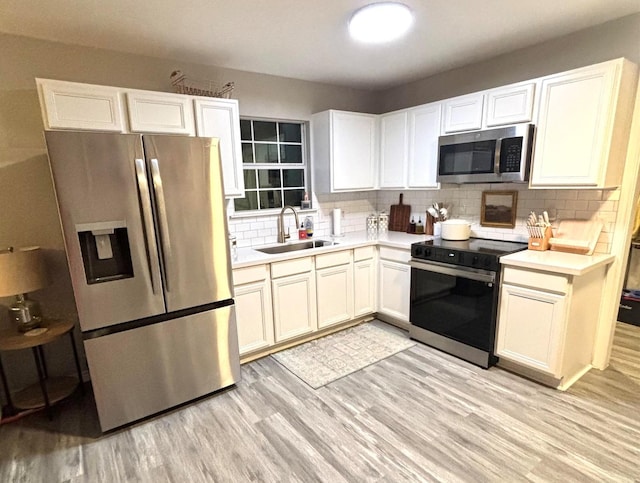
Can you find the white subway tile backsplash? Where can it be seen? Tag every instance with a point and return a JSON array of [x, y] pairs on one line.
[[567, 194], [590, 195], [464, 201], [576, 204]]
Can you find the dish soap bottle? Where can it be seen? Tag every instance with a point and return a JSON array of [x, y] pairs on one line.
[[302, 233], [308, 226]]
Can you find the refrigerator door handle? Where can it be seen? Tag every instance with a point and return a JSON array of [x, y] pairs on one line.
[[162, 220], [147, 218]]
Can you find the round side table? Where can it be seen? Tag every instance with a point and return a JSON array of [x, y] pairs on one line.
[[49, 390]]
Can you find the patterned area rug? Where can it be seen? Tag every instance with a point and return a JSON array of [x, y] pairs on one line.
[[324, 360]]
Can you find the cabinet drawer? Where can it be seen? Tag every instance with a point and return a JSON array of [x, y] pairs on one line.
[[395, 254], [550, 282], [333, 259], [291, 267], [363, 253], [250, 274]]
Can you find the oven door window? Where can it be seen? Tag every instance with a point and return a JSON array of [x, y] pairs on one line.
[[467, 158], [455, 307]]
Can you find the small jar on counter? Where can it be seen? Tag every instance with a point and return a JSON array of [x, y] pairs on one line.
[[383, 222], [372, 223], [233, 247]]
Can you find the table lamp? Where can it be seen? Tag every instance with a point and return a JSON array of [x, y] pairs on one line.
[[22, 270]]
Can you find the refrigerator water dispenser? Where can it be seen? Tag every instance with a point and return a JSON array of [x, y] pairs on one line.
[[105, 251]]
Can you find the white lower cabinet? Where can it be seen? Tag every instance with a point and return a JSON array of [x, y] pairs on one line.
[[294, 298], [547, 323], [293, 287], [394, 283], [334, 288], [254, 314], [364, 281], [532, 340]]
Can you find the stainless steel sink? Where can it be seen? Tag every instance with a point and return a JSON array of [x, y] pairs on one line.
[[294, 247]]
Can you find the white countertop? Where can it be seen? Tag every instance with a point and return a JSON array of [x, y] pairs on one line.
[[558, 262], [394, 239]]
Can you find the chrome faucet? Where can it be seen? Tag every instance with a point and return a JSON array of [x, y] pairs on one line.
[[282, 237]]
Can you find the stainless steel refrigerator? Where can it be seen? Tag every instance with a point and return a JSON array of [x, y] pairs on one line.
[[146, 238]]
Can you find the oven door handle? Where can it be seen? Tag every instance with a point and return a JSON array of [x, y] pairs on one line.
[[454, 272]]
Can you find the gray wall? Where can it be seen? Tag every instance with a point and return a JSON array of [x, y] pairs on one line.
[[618, 38]]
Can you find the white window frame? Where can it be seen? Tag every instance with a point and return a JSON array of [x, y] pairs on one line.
[[304, 166]]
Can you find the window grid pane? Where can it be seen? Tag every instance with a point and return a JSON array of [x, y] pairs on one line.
[[274, 165]]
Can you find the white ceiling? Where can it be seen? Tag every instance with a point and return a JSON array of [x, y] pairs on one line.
[[307, 39]]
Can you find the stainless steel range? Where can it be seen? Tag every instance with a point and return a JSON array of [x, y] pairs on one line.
[[454, 295]]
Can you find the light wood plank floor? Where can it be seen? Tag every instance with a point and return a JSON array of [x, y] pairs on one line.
[[419, 415]]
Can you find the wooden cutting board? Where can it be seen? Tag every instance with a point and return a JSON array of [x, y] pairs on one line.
[[577, 236], [399, 216]]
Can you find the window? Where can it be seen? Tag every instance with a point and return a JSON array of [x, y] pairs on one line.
[[273, 160]]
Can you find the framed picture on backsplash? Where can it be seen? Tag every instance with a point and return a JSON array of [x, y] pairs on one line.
[[499, 209]]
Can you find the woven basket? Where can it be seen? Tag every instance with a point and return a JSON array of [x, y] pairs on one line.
[[193, 87]]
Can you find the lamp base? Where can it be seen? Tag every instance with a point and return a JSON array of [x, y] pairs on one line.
[[25, 313]]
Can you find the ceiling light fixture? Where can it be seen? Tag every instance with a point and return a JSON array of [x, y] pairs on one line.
[[380, 22]]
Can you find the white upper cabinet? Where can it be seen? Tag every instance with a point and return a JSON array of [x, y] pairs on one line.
[[510, 105], [463, 113], [424, 130], [220, 118], [70, 105], [158, 112], [393, 150], [344, 146], [409, 147], [583, 126]]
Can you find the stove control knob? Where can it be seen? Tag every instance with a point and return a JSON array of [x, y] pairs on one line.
[[418, 251], [487, 262], [475, 260], [427, 252]]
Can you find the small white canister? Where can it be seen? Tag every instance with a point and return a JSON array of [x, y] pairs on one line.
[[456, 229], [383, 222]]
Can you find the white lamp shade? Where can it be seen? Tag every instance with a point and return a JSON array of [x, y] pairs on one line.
[[21, 271]]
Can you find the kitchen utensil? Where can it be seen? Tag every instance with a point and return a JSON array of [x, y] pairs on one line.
[[455, 229], [433, 212], [399, 216]]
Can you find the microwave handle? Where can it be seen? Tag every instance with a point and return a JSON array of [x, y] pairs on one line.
[[496, 156]]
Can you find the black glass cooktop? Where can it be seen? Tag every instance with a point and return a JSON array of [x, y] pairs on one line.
[[474, 252], [482, 245]]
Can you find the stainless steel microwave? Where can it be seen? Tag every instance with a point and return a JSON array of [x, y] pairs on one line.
[[488, 156]]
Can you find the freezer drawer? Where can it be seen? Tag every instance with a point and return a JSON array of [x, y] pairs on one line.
[[140, 372]]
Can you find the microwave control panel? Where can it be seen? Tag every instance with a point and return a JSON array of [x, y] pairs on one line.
[[511, 155]]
